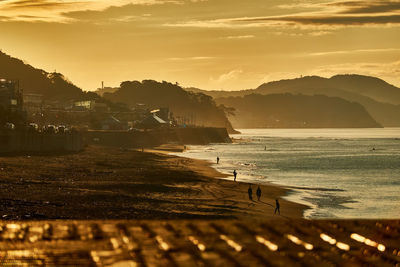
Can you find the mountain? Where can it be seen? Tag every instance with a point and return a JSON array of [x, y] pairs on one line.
[[367, 86], [297, 111], [380, 99], [196, 108], [53, 86]]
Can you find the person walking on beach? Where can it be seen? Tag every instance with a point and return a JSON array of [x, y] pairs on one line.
[[277, 207], [258, 193], [217, 159], [250, 192], [234, 175]]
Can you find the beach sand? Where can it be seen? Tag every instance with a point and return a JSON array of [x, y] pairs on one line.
[[113, 183]]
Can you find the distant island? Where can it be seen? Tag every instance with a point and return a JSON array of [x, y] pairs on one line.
[[297, 111], [380, 99]]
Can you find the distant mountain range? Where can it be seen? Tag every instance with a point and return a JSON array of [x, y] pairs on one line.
[[53, 86], [297, 111], [380, 99], [368, 101]]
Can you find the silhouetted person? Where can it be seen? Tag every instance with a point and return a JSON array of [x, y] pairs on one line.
[[250, 192], [265, 148], [234, 175], [258, 193], [217, 160], [277, 207]]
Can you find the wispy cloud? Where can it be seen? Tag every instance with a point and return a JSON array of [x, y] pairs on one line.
[[319, 16], [228, 76], [239, 37], [57, 10], [356, 51], [364, 7], [188, 58]]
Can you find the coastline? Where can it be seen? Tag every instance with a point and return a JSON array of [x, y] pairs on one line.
[[113, 183], [236, 192]]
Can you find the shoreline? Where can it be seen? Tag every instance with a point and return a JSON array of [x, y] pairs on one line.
[[108, 183], [270, 191]]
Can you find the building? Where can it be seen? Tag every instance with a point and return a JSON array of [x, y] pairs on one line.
[[152, 121], [33, 99], [92, 105], [163, 113], [10, 95], [33, 103], [112, 123]]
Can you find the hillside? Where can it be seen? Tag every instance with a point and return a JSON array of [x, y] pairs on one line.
[[297, 111], [53, 86], [381, 100], [367, 86], [195, 108]]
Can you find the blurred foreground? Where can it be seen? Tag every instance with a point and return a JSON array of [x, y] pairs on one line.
[[201, 243]]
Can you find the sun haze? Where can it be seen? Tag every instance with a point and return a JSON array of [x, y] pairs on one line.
[[210, 44]]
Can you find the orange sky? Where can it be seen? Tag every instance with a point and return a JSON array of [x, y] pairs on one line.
[[210, 44]]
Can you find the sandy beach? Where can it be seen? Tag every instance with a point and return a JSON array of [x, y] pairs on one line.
[[113, 183]]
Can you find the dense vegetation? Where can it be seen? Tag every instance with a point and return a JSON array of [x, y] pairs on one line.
[[53, 86], [380, 99], [191, 108], [297, 111]]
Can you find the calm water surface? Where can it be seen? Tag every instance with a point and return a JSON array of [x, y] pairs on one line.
[[340, 173]]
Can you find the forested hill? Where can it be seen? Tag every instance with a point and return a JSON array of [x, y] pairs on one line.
[[198, 108], [366, 86], [380, 99], [53, 86], [297, 111]]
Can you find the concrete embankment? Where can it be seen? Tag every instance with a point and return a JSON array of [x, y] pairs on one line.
[[151, 138], [12, 141]]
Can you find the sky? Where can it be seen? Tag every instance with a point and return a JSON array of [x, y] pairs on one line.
[[208, 44]]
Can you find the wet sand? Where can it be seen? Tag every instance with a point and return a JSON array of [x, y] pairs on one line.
[[112, 183]]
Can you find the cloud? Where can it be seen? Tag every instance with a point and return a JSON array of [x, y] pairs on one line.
[[38, 4], [363, 7], [188, 58], [228, 77], [343, 52], [317, 16], [59, 10], [240, 37], [333, 20]]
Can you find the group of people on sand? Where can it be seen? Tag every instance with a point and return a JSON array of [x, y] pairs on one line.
[[258, 192]]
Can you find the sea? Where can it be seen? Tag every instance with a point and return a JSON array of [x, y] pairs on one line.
[[338, 173]]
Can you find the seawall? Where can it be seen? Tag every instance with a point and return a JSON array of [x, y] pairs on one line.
[[151, 138], [28, 141]]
